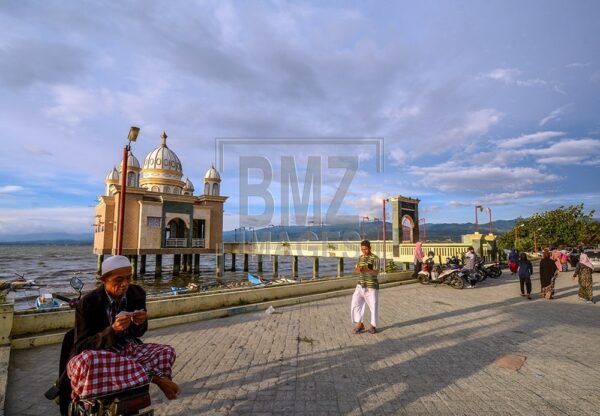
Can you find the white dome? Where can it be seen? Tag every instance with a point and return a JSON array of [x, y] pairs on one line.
[[189, 186], [113, 175], [132, 162], [212, 173], [163, 158]]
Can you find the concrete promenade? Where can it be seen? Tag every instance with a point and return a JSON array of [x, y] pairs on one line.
[[434, 355]]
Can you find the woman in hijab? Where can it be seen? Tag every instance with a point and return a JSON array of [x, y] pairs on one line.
[[548, 273], [418, 258], [584, 271]]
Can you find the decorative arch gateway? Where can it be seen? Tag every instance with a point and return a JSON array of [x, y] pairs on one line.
[[408, 227]]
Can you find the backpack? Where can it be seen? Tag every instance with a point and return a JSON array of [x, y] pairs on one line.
[[524, 270], [563, 258]]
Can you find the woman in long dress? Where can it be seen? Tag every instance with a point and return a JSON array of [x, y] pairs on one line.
[[548, 273], [584, 271]]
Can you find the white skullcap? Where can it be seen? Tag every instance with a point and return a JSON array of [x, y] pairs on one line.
[[114, 263]]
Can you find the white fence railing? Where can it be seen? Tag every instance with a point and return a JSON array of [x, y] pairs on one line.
[[176, 242], [198, 242], [347, 249]]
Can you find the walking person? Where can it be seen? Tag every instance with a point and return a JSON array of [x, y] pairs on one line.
[[418, 258], [584, 271], [525, 272], [513, 261], [470, 263], [556, 257], [548, 274], [367, 290]]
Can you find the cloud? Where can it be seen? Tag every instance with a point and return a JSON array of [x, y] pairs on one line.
[[506, 75], [528, 139], [36, 149], [504, 198], [450, 177], [9, 189], [567, 152], [554, 115], [577, 65], [24, 62], [509, 76], [475, 123], [57, 219]]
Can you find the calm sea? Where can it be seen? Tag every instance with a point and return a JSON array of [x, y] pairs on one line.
[[52, 266]]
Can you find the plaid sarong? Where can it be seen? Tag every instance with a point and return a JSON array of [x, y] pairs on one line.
[[96, 373]]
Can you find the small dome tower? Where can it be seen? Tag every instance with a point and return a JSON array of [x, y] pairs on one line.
[[212, 182]]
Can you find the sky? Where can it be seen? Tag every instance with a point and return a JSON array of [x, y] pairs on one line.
[[456, 103]]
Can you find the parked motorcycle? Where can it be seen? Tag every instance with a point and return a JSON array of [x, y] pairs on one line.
[[432, 273], [131, 401]]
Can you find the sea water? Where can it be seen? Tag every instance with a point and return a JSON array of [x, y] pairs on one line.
[[52, 266]]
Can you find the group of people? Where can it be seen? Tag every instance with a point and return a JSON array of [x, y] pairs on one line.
[[110, 320], [551, 264]]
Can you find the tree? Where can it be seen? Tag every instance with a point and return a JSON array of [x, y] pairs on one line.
[[569, 226]]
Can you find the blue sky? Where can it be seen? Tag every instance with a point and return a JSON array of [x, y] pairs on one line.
[[494, 103]]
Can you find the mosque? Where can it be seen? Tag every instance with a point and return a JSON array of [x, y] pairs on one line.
[[162, 214]]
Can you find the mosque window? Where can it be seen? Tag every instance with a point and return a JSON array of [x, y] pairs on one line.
[[206, 188], [215, 189], [131, 179], [167, 189], [154, 189], [153, 222], [158, 162]]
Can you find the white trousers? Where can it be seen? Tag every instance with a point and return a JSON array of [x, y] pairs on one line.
[[359, 298]]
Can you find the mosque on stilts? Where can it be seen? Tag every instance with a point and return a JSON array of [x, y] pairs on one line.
[[162, 215]]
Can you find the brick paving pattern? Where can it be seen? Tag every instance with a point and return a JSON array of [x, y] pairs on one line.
[[434, 355]]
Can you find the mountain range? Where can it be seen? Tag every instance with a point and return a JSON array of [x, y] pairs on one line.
[[370, 230]]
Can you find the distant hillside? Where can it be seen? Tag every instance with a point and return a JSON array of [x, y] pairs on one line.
[[370, 230], [47, 238]]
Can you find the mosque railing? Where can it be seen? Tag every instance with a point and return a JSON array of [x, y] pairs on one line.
[[198, 242], [176, 242]]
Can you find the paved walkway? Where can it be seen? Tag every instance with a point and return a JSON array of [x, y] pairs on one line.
[[434, 355]]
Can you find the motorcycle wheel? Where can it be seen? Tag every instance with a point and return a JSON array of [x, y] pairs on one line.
[[481, 276], [424, 280], [457, 282], [497, 272]]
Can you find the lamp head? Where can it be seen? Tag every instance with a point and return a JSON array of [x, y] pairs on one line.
[[133, 134]]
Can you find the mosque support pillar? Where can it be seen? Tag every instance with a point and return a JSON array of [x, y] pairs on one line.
[[99, 268], [158, 265], [315, 267], [260, 263], [196, 263], [275, 265], [294, 266], [340, 267], [245, 262], [233, 262], [176, 264], [134, 263], [188, 263], [220, 264], [143, 264]]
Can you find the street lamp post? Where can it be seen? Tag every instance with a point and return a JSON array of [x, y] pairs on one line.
[[384, 237], [489, 210], [362, 227], [480, 208], [132, 137], [517, 234]]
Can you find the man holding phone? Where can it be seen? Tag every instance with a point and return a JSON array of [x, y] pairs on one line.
[[110, 356], [367, 289]]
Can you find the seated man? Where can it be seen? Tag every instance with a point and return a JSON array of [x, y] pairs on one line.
[[110, 357]]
